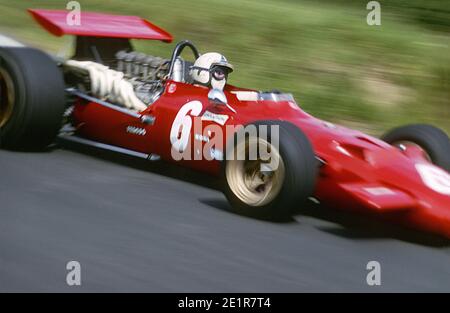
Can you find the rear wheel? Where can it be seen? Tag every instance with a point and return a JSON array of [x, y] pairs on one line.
[[32, 98], [270, 188], [7, 92], [433, 141]]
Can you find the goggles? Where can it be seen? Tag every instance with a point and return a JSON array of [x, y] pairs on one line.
[[218, 72]]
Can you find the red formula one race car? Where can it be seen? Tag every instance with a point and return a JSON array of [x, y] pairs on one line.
[[271, 155]]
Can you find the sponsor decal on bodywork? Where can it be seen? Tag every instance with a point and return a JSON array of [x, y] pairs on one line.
[[136, 131], [220, 119]]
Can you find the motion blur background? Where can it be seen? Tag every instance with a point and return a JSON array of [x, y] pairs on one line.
[[339, 68]]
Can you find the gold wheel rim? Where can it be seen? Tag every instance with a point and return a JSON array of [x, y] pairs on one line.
[[254, 182], [6, 97]]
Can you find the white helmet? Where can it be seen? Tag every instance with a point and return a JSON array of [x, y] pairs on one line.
[[211, 69]]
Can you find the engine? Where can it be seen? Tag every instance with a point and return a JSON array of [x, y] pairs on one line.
[[141, 66], [133, 82], [145, 73]]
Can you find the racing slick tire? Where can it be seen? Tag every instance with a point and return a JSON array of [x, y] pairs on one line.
[[256, 189], [432, 140], [32, 99]]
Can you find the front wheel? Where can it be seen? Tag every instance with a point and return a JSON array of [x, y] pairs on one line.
[[277, 178], [432, 141]]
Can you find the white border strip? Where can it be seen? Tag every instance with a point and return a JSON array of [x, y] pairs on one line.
[[9, 42]]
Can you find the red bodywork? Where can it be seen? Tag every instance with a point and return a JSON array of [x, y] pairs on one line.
[[359, 172]]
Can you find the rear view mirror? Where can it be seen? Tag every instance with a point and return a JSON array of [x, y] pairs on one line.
[[217, 97]]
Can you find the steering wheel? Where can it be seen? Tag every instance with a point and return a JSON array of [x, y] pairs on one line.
[[177, 52]]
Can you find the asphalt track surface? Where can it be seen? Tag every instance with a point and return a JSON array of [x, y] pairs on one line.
[[140, 227]]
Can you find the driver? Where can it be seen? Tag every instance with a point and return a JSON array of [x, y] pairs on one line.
[[211, 70]]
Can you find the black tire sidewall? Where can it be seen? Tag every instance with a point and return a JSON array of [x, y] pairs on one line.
[[432, 139], [39, 99], [300, 174], [13, 128]]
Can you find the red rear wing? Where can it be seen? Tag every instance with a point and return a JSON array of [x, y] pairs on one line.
[[100, 25]]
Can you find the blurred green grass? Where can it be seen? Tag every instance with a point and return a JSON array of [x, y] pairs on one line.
[[339, 68]]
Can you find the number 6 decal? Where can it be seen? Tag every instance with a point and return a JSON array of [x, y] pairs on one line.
[[181, 127], [434, 178]]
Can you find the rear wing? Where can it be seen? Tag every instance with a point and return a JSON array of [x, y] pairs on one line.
[[100, 25], [100, 36]]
